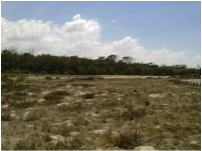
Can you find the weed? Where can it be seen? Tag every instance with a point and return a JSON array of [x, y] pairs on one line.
[[176, 81], [5, 116], [54, 97], [35, 114], [132, 113], [89, 96], [127, 139], [48, 77]]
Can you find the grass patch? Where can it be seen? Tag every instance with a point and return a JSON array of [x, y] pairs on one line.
[[127, 139], [89, 96], [54, 97]]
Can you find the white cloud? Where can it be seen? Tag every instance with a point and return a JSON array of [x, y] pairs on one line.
[[81, 37], [113, 20]]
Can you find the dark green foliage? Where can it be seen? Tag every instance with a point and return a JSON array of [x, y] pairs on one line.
[[28, 63]]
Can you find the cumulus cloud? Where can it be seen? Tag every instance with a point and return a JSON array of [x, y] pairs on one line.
[[81, 37]]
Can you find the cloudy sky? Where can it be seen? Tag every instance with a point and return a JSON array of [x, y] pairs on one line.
[[160, 32]]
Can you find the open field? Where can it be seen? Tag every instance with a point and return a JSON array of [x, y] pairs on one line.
[[60, 112]]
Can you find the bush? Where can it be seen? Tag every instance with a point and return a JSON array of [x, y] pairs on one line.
[[54, 97], [176, 81], [20, 78], [127, 139], [5, 116], [22, 103], [89, 96], [132, 113], [48, 78]]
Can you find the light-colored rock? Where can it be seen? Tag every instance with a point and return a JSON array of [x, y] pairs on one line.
[[144, 148], [157, 95], [26, 115], [104, 94], [157, 127], [99, 131], [193, 143], [95, 115], [41, 101], [62, 104], [30, 93], [57, 137], [74, 133], [12, 115], [4, 107]]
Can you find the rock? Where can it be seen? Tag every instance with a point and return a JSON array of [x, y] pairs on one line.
[[57, 137], [74, 133], [4, 107], [100, 131], [144, 148], [157, 127], [157, 95], [30, 93], [41, 101], [193, 143], [26, 116], [62, 104], [12, 114], [119, 99]]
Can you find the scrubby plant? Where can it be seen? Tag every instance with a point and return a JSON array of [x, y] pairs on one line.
[[54, 97], [5, 116], [35, 114], [127, 139], [89, 96], [132, 113], [176, 81], [48, 77]]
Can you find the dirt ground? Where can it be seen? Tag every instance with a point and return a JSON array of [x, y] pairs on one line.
[[63, 112]]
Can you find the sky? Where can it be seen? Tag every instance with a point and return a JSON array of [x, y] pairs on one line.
[[159, 32]]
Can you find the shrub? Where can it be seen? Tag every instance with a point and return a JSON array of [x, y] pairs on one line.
[[48, 77], [33, 115], [5, 116], [127, 139], [54, 97], [20, 78], [176, 81], [22, 104], [89, 96], [132, 113]]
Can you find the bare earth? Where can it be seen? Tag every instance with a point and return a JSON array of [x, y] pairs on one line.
[[60, 112]]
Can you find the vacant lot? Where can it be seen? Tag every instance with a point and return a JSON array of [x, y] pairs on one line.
[[55, 112]]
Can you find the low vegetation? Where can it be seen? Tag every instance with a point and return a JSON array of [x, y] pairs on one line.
[[67, 113]]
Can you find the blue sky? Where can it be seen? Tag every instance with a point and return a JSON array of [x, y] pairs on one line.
[[157, 25], [174, 25]]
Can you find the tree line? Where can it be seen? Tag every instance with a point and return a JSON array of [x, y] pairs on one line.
[[12, 61]]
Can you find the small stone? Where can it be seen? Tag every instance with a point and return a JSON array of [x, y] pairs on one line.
[[57, 137], [144, 148], [157, 127], [41, 101], [100, 131], [193, 143], [4, 107], [119, 99], [74, 133]]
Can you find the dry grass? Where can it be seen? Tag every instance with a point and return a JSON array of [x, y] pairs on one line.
[[98, 113]]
